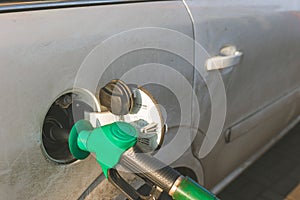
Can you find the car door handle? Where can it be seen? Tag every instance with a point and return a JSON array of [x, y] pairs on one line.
[[229, 56]]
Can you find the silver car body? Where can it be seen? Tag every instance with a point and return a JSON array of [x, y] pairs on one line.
[[42, 51]]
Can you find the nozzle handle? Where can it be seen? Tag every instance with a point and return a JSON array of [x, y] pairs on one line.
[[150, 168]]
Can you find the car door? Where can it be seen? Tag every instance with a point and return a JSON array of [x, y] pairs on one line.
[[261, 83], [42, 50]]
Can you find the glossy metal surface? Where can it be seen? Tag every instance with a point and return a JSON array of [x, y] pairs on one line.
[[17, 6], [40, 53], [42, 50], [263, 89]]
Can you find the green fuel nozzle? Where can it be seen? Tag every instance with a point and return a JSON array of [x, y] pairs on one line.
[[114, 144], [107, 142]]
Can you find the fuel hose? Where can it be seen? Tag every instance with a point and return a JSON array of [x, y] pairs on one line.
[[164, 176]]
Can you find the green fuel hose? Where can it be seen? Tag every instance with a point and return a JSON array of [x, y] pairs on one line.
[[188, 189], [164, 176]]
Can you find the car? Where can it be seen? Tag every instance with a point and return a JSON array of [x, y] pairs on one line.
[[225, 75]]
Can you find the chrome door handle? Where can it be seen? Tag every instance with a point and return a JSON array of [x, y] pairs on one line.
[[229, 56]]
